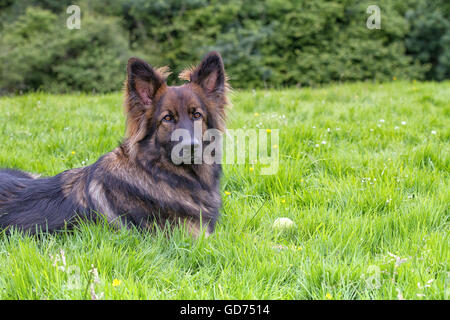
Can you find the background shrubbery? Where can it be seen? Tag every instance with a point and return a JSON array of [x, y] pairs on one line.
[[269, 43]]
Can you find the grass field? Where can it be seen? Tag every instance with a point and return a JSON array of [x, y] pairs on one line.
[[364, 174]]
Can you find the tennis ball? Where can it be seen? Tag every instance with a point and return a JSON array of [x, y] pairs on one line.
[[283, 224]]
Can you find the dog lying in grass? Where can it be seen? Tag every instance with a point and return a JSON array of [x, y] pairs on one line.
[[137, 183]]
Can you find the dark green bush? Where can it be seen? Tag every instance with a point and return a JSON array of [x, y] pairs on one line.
[[264, 43], [429, 36], [39, 52], [278, 42]]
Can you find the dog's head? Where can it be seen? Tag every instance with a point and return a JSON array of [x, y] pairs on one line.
[[156, 110]]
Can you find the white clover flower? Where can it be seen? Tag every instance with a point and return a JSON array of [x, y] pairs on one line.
[[399, 295]]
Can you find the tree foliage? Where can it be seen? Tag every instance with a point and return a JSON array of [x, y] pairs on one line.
[[269, 43]]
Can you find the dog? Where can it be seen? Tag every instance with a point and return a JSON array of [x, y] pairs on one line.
[[137, 183]]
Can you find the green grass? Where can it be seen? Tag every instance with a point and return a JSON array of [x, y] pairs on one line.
[[370, 206]]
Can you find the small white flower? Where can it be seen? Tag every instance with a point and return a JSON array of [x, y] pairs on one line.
[[63, 257], [396, 128], [94, 272], [317, 145], [371, 129], [324, 142], [400, 295], [398, 260], [381, 120], [328, 129], [433, 131], [403, 123]]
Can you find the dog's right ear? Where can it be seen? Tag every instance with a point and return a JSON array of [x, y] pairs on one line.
[[141, 87], [142, 82]]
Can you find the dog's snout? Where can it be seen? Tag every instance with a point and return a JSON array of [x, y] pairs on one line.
[[192, 143]]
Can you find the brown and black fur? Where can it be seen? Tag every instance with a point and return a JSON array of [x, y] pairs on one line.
[[136, 183]]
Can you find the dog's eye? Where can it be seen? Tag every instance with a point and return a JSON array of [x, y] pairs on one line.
[[168, 118], [197, 115]]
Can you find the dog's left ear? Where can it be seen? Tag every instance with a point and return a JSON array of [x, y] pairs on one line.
[[210, 75]]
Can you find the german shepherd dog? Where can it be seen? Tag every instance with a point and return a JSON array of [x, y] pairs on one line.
[[137, 183]]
